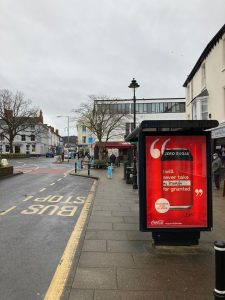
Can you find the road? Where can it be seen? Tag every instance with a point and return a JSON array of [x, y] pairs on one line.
[[38, 212]]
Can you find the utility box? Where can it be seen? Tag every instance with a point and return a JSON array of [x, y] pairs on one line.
[[175, 188]]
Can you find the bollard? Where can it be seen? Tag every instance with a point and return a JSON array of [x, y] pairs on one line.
[[219, 291], [75, 167], [89, 168], [109, 172], [78, 165]]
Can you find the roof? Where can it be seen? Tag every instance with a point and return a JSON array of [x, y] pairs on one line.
[[202, 94], [171, 125], [139, 99], [204, 54]]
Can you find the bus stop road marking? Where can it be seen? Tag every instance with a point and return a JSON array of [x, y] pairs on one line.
[[4, 212], [58, 283]]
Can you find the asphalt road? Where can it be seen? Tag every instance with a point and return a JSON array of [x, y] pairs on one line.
[[38, 211]]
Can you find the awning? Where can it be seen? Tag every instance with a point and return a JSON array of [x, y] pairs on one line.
[[117, 145]]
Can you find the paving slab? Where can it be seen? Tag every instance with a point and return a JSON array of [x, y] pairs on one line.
[[117, 261]]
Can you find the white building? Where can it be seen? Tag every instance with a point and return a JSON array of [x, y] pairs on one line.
[[205, 87], [35, 140], [146, 109]]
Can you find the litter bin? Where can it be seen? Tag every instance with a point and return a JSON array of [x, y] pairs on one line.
[[129, 175], [126, 164]]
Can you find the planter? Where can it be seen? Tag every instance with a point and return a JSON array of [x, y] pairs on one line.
[[5, 171]]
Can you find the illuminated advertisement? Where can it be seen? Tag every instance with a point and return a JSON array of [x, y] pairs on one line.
[[176, 181]]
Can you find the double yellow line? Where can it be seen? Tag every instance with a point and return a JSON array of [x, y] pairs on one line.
[[61, 275]]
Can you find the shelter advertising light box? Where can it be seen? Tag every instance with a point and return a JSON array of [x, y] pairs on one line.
[[175, 181]]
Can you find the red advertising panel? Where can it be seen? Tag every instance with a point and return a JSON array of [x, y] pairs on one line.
[[176, 181]]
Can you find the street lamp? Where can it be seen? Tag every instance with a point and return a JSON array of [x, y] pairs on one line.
[[134, 85], [68, 131]]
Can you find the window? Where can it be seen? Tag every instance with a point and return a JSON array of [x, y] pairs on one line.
[[84, 139], [200, 109], [23, 137], [1, 137], [194, 111], [157, 107], [0, 148], [161, 107], [145, 109], [33, 148], [182, 107], [27, 147], [153, 110], [32, 126], [32, 137], [204, 109], [6, 148], [83, 128], [203, 75]]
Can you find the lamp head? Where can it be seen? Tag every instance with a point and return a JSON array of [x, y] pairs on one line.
[[134, 84]]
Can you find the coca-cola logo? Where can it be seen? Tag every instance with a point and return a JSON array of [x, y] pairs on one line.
[[157, 222]]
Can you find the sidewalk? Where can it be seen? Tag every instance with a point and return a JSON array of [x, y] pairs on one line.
[[118, 261]]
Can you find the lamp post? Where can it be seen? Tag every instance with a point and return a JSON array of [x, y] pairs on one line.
[[68, 132], [134, 85]]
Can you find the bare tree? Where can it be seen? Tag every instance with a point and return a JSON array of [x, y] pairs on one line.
[[100, 117], [16, 115]]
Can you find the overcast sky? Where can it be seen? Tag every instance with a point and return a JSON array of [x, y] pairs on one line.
[[59, 52]]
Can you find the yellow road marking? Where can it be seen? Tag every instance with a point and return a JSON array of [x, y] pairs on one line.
[[42, 190], [6, 211], [60, 277]]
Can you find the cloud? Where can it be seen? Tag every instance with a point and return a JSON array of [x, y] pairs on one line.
[[59, 52]]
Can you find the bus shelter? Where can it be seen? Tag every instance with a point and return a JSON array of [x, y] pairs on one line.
[[174, 179]]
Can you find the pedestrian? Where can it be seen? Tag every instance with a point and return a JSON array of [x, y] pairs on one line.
[[216, 169], [112, 158]]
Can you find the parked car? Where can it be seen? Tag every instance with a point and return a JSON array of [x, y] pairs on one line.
[[49, 154]]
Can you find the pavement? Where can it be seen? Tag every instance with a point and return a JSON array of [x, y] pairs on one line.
[[117, 261]]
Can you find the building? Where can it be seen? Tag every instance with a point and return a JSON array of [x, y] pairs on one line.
[[146, 109], [85, 140], [34, 140], [205, 87]]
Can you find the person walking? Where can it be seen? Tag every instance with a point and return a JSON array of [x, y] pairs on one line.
[[216, 169]]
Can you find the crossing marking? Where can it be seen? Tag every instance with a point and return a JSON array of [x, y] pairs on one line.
[[52, 183], [42, 190], [58, 283]]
